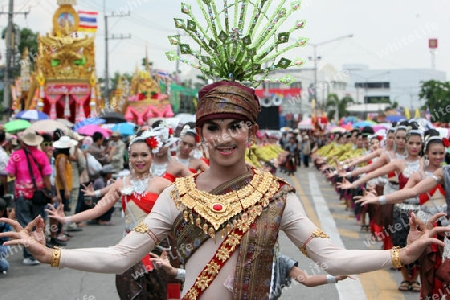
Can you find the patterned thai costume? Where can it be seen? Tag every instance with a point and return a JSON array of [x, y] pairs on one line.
[[143, 281], [432, 202], [387, 211], [402, 210]]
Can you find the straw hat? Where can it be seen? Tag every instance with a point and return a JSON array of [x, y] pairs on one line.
[[30, 138], [64, 142], [115, 133]]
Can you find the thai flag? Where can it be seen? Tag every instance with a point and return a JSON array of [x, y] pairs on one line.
[[164, 74], [427, 114], [88, 21]]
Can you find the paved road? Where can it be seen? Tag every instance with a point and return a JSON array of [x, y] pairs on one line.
[[321, 204]]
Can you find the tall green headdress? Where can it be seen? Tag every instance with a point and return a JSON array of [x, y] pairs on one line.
[[241, 40]]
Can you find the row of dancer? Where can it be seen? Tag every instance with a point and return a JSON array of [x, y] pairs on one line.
[[410, 156]]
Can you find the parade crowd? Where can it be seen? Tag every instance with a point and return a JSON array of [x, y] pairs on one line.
[[78, 174]]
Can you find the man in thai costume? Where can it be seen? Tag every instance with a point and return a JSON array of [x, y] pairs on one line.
[[226, 219]]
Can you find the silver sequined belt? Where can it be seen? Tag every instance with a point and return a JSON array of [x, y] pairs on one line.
[[402, 207]]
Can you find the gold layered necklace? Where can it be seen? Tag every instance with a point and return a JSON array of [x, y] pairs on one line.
[[211, 212]]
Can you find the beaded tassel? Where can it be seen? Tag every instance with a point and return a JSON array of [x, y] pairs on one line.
[[212, 233], [228, 228]]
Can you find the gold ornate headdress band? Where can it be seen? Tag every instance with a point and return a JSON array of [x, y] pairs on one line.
[[227, 100]]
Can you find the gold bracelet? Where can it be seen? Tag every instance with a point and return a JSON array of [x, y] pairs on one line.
[[395, 255], [56, 257]]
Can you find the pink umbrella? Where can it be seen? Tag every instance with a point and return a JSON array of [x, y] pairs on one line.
[[379, 127], [90, 129]]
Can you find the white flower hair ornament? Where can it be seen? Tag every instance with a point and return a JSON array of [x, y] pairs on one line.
[[187, 129], [165, 134], [152, 139]]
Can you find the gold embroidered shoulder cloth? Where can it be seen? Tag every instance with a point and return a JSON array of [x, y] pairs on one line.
[[218, 210]]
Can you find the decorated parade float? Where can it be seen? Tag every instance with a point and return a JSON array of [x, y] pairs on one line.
[[142, 98], [60, 79]]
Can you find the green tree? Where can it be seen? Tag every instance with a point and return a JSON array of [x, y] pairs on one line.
[[144, 62], [28, 39], [342, 104], [437, 99], [114, 81]]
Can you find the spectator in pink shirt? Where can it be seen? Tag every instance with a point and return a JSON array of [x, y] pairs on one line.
[[18, 167]]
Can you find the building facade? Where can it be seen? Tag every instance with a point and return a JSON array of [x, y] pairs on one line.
[[396, 85]]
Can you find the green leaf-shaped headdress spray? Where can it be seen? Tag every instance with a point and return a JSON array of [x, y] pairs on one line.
[[241, 41]]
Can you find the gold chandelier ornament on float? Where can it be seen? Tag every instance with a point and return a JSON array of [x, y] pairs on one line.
[[241, 41]]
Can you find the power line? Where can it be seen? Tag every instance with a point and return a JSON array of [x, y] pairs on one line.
[[107, 39]]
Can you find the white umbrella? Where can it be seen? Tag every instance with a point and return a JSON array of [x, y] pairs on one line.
[[305, 124], [185, 118], [48, 126], [65, 122]]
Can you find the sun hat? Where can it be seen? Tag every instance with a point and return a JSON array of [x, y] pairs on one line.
[[64, 142], [31, 138]]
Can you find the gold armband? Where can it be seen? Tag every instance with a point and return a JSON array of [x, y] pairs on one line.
[[143, 228], [395, 255], [318, 233], [56, 257]]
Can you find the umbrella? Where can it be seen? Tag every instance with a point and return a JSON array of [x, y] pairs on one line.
[[65, 122], [350, 119], [48, 126], [394, 118], [337, 129], [185, 118], [124, 128], [90, 121], [285, 129], [113, 117], [305, 124], [31, 115], [380, 127], [363, 124], [16, 126], [424, 123], [90, 129]]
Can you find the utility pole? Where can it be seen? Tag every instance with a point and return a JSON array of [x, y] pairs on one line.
[[316, 59], [107, 39], [9, 52]]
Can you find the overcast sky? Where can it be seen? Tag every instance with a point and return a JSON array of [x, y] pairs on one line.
[[387, 34]]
